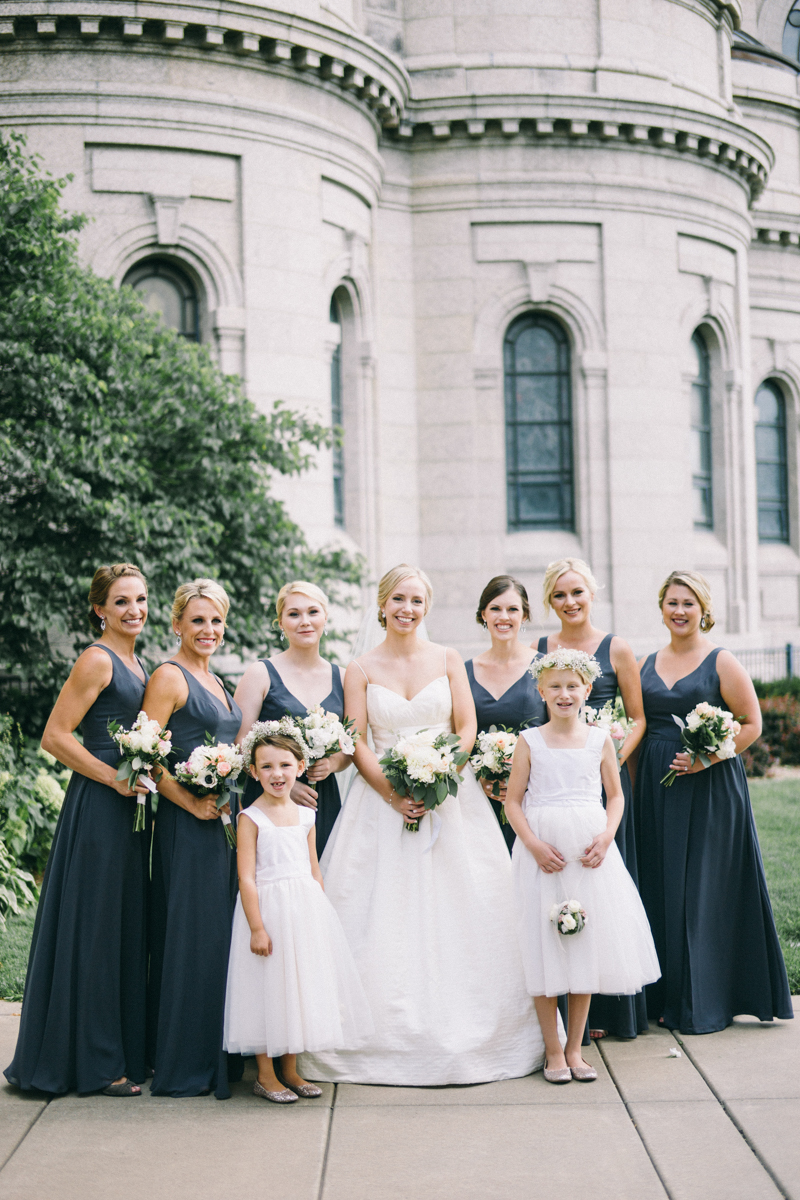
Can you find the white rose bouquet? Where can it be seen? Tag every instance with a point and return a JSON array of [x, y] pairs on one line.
[[491, 759], [569, 917], [611, 717], [425, 766], [213, 768], [325, 734], [707, 730], [145, 747]]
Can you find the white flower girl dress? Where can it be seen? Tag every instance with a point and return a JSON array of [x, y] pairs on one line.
[[614, 952], [429, 919]]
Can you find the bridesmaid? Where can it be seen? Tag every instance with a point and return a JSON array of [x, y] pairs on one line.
[[702, 880], [83, 1018], [503, 691], [193, 885], [292, 682], [569, 589]]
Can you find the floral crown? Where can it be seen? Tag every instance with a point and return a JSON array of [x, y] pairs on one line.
[[563, 659], [283, 728]]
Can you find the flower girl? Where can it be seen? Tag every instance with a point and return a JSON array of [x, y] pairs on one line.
[[582, 927], [292, 982]]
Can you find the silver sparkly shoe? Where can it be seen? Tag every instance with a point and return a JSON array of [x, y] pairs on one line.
[[284, 1097], [308, 1091], [585, 1074], [558, 1075]]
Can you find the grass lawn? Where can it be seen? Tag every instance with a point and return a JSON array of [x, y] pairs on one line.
[[776, 804], [15, 941]]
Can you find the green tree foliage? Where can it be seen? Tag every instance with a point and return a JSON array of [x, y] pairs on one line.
[[120, 440]]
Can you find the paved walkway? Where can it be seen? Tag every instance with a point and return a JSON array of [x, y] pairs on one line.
[[722, 1122]]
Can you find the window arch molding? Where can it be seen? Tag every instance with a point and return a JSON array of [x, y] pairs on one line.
[[175, 293], [787, 386]]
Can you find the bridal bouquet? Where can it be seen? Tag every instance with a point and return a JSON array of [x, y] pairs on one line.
[[568, 917], [707, 730], [325, 734], [611, 717], [424, 766], [287, 726], [144, 748], [491, 759], [209, 769]]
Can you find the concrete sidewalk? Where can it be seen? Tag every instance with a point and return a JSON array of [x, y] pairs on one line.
[[719, 1123]]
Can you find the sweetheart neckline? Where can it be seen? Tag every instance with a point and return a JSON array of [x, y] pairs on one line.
[[391, 691]]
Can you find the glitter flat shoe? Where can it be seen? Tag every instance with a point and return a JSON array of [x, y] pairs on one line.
[[584, 1074], [558, 1075], [308, 1091], [284, 1097]]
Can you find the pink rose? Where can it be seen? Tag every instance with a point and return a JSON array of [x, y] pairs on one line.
[[164, 747], [223, 768]]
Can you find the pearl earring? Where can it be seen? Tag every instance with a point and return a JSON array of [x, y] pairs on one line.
[[102, 624]]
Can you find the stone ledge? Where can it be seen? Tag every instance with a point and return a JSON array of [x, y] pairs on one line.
[[566, 129], [380, 95]]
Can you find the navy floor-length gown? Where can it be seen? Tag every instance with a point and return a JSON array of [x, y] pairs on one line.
[[519, 707], [277, 703], [701, 876], [191, 911], [83, 1020], [622, 1016]]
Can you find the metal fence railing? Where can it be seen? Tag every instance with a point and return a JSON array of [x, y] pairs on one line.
[[777, 662]]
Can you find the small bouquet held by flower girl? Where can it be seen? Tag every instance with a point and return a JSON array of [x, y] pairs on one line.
[[213, 769], [325, 734], [611, 717], [491, 759], [568, 917], [145, 747], [425, 766], [707, 730]]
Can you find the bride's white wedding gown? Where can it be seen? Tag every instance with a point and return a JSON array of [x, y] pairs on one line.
[[431, 927]]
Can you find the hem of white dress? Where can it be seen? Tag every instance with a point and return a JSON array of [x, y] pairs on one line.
[[313, 1071]]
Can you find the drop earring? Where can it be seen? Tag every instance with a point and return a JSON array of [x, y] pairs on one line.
[[222, 642], [283, 635], [102, 624], [485, 626], [178, 638]]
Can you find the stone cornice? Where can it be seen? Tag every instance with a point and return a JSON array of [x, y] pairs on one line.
[[309, 50], [723, 144]]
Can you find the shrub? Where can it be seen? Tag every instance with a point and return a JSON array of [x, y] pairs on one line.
[[781, 728], [758, 759]]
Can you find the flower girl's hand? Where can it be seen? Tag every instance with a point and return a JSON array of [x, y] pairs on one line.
[[260, 943], [303, 795], [547, 857], [593, 855]]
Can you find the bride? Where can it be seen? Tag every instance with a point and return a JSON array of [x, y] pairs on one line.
[[428, 914]]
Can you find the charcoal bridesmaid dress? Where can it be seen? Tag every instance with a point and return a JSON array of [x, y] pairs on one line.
[[191, 910], [519, 707], [277, 703], [83, 1020], [701, 876]]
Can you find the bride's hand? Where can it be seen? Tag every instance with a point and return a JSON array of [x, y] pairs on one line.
[[409, 808], [303, 795]]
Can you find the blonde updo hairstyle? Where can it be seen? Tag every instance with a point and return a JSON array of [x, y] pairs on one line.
[[393, 578], [102, 580], [696, 583], [200, 589], [305, 589], [556, 569]]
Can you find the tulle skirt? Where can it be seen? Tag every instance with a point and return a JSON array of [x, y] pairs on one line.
[[614, 953], [307, 994]]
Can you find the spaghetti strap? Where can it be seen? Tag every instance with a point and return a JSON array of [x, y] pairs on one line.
[[361, 669]]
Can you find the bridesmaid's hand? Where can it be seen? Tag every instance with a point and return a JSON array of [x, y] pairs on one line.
[[260, 943], [321, 769], [682, 763], [226, 808], [204, 808], [488, 784], [121, 786], [594, 854], [303, 795], [547, 857]]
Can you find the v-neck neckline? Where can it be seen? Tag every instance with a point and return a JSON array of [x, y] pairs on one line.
[[497, 699], [287, 689], [663, 681], [143, 682]]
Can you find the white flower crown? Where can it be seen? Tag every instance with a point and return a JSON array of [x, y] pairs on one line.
[[283, 728], [564, 659]]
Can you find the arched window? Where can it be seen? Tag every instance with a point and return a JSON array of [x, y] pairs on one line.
[[337, 418], [168, 294], [539, 470], [701, 435], [791, 32], [772, 482]]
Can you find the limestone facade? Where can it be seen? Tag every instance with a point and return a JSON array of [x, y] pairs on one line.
[[626, 173]]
